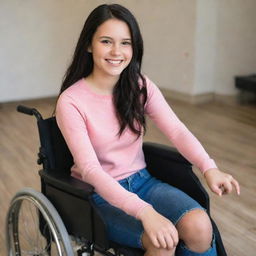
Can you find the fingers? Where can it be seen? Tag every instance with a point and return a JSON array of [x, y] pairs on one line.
[[226, 187], [161, 239], [160, 231], [175, 236], [236, 185], [221, 183], [217, 189], [167, 240], [154, 241], [171, 239]]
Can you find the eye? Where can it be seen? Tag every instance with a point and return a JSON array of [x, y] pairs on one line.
[[126, 43], [105, 41]]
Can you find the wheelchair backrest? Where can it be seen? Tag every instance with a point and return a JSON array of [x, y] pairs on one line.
[[54, 152]]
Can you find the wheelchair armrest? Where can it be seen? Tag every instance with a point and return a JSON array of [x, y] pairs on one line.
[[168, 165], [164, 151], [65, 182]]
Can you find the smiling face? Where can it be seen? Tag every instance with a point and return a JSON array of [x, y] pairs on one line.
[[111, 48]]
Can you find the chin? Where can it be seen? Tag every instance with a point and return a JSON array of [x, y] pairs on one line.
[[115, 74]]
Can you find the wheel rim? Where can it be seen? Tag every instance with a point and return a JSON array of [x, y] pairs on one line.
[[31, 230]]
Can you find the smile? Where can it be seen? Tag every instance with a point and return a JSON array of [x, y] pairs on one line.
[[115, 62]]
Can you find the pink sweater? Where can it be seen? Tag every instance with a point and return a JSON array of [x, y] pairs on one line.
[[89, 125]]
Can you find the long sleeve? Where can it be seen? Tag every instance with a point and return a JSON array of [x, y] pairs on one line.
[[72, 122], [186, 143]]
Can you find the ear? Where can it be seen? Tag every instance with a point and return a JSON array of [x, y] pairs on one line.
[[89, 49]]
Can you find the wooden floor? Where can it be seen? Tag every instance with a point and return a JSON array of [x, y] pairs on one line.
[[228, 132]]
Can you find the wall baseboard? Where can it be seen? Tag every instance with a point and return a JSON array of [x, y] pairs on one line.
[[227, 99], [193, 99], [199, 98], [27, 102]]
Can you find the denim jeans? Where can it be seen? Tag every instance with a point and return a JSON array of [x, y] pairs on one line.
[[166, 199], [182, 250]]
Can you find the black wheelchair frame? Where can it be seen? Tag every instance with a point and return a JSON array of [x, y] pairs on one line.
[[72, 198]]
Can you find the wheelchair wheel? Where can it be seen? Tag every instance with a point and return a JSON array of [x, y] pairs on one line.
[[33, 227]]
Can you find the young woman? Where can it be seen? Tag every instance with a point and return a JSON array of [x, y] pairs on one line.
[[101, 113]]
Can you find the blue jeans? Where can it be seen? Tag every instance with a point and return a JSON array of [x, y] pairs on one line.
[[167, 200]]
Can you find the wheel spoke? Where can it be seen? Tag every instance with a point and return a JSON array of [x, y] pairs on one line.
[[35, 228]]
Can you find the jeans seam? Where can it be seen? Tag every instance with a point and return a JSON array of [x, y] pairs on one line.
[[187, 211], [212, 247]]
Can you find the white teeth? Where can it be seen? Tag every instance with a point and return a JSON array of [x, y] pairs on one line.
[[114, 61]]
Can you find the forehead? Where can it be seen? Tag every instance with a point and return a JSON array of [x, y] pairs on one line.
[[113, 28]]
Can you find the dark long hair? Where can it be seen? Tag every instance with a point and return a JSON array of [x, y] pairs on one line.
[[130, 93]]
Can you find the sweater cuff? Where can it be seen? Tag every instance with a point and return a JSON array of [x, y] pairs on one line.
[[208, 164], [141, 210], [134, 206]]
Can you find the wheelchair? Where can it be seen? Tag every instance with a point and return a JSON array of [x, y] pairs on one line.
[[61, 219]]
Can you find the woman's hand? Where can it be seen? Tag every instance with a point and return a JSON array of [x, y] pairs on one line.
[[159, 229], [221, 183]]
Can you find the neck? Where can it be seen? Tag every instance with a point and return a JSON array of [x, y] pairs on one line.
[[104, 85]]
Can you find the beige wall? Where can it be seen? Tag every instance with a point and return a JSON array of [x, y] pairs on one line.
[[225, 44], [205, 47], [236, 42], [191, 46], [37, 38]]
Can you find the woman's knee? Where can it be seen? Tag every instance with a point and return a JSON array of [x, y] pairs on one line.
[[195, 229]]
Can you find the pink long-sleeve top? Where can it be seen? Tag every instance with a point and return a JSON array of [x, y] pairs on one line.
[[90, 127]]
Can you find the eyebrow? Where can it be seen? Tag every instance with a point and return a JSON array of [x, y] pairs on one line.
[[108, 37]]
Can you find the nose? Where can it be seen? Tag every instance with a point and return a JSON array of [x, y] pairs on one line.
[[115, 50]]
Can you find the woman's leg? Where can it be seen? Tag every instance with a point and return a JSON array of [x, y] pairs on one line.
[[196, 235], [195, 230], [191, 220]]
